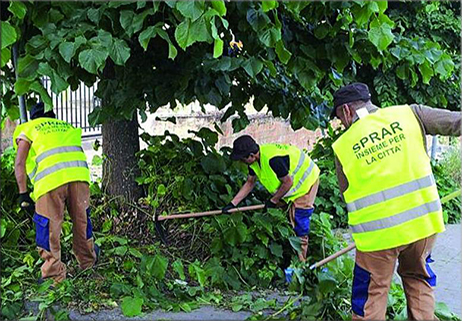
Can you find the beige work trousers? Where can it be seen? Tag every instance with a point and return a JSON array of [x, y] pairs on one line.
[[304, 202], [76, 196], [373, 274]]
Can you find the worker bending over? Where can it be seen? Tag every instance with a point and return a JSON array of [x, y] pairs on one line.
[[287, 173]]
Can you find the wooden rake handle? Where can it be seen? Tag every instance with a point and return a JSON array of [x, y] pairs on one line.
[[214, 212], [333, 256]]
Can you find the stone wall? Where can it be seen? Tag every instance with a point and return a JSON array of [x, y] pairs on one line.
[[7, 134]]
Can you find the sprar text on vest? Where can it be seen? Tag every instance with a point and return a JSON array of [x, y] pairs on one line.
[[381, 135]]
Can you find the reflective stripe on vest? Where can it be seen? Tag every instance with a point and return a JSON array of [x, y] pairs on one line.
[[303, 178], [53, 151], [391, 193], [59, 166], [397, 219]]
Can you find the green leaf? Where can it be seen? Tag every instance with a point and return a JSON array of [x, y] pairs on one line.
[[217, 48], [92, 60], [322, 30], [196, 272], [94, 15], [189, 32], [383, 5], [402, 72], [283, 54], [3, 229], [296, 243], [132, 22], [219, 6], [276, 249], [253, 66], [268, 5], [18, 9], [272, 69], [443, 312], [433, 55], [6, 56], [21, 86], [44, 96], [172, 52], [361, 14], [213, 164], [427, 72], [270, 37], [191, 9], [179, 269], [445, 66], [66, 50], [400, 52], [161, 190], [159, 267], [27, 67], [120, 52], [135, 252], [120, 250], [146, 35], [8, 34], [257, 19], [381, 36], [58, 84], [131, 307]]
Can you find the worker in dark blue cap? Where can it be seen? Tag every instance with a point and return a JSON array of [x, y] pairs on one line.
[[38, 110], [49, 152], [394, 211]]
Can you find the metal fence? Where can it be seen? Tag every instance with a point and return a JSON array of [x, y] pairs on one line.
[[74, 106]]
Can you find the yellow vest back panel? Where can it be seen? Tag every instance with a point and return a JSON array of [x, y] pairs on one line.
[[391, 197], [55, 156]]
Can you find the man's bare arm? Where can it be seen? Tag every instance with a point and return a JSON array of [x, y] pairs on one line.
[[20, 165], [245, 190], [286, 184]]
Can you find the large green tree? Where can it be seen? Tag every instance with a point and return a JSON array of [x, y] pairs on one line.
[[148, 54]]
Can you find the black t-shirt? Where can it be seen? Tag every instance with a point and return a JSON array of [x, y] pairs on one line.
[[279, 164]]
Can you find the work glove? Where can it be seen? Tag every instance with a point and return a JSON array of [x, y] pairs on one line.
[[269, 204], [26, 203], [225, 210]]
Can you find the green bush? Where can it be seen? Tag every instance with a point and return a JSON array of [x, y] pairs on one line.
[[447, 175]]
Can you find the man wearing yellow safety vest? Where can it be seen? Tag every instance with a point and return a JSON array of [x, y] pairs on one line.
[[287, 173], [394, 210], [49, 151]]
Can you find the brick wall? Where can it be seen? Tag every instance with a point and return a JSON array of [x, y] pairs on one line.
[[263, 128]]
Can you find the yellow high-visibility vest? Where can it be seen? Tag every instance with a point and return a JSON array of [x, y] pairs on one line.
[[55, 157], [392, 199], [303, 170]]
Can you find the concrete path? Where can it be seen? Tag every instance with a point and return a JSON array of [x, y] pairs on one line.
[[447, 266]]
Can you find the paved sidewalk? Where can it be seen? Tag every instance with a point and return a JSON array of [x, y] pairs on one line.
[[447, 266]]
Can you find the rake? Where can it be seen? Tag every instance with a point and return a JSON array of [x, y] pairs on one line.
[[161, 231]]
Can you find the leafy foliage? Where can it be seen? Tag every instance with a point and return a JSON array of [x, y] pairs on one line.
[[294, 54], [206, 261], [447, 174]]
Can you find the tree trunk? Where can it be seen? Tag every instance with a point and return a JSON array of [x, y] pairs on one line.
[[120, 167]]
